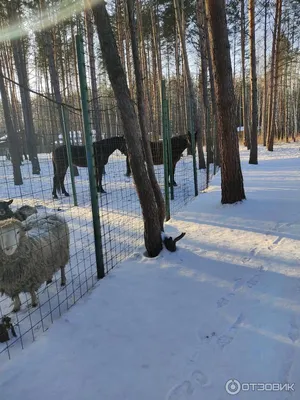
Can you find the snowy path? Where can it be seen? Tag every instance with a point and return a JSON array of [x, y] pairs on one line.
[[225, 306]]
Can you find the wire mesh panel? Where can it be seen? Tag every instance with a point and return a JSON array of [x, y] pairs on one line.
[[57, 141], [119, 208], [36, 193]]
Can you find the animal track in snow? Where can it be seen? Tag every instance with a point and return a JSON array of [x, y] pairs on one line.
[[253, 281], [200, 378], [222, 302], [181, 391], [226, 339], [294, 332]]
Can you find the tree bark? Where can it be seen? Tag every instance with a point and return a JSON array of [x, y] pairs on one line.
[[20, 63], [216, 138], [231, 174], [141, 109], [203, 51], [95, 100], [253, 77], [12, 136], [274, 77], [152, 226], [193, 101], [245, 114]]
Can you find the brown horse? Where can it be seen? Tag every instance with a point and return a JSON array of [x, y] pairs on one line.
[[102, 151], [179, 144]]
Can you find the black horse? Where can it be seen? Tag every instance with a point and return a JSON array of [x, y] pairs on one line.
[[179, 144], [102, 150]]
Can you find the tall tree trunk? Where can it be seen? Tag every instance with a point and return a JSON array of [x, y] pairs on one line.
[[245, 115], [152, 225], [203, 51], [96, 118], [140, 101], [231, 174], [212, 92], [193, 101], [253, 77], [265, 100], [12, 136], [274, 77], [20, 63], [54, 77]]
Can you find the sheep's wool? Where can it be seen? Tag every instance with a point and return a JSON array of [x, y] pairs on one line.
[[43, 248]]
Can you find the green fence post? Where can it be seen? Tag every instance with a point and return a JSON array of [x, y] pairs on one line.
[[67, 142], [90, 157], [194, 148], [170, 152], [208, 144], [165, 146], [215, 145]]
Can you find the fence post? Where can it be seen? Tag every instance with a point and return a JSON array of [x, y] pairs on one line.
[[90, 157], [66, 137], [193, 147], [170, 152], [215, 139], [208, 144], [165, 146]]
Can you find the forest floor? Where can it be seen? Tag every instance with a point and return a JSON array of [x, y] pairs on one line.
[[224, 307]]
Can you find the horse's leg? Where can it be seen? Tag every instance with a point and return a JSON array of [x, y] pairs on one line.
[[173, 174], [61, 182], [99, 174], [54, 194], [128, 170]]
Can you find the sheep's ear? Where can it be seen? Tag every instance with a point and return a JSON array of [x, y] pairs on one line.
[[9, 202]]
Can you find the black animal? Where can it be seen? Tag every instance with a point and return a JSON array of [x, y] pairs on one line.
[[102, 150], [170, 243], [5, 211], [179, 144], [21, 213], [5, 326]]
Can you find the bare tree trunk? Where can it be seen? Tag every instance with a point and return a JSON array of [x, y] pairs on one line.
[[212, 90], [13, 141], [265, 101], [253, 77], [95, 101], [231, 173], [54, 77], [193, 101], [140, 101], [152, 225], [20, 63], [203, 50], [245, 115], [274, 77]]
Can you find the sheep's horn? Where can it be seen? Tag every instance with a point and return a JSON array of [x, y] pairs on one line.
[[179, 237]]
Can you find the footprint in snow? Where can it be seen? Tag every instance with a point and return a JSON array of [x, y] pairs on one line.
[[200, 378], [294, 332], [181, 391], [222, 302]]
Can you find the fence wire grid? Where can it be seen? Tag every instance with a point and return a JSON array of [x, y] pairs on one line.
[[121, 225]]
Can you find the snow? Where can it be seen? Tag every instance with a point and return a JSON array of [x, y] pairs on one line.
[[121, 228], [224, 306]]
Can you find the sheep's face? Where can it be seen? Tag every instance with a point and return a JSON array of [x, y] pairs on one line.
[[9, 239]]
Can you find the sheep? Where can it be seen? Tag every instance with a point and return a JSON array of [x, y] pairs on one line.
[[21, 213], [31, 253]]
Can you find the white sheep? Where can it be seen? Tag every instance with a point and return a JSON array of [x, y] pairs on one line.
[[31, 253]]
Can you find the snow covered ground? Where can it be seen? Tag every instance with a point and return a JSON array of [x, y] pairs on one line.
[[121, 229], [225, 306]]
